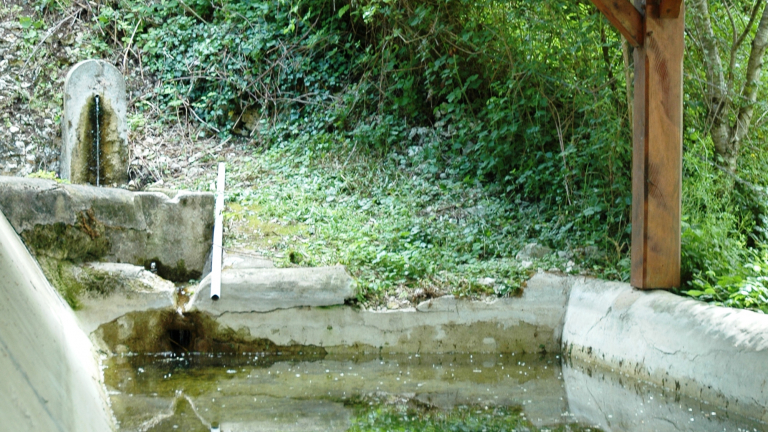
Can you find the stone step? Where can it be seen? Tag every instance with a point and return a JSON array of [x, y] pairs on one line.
[[125, 288], [268, 289]]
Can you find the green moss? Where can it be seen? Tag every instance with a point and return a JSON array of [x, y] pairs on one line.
[[73, 281], [175, 273], [47, 175], [61, 275], [83, 241], [245, 226], [165, 331]]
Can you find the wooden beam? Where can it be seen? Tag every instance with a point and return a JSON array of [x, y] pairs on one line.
[[657, 152], [625, 17], [670, 8]]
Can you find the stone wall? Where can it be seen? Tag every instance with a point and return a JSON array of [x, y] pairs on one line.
[[83, 223]]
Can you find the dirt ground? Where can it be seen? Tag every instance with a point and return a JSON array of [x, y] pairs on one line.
[[37, 49]]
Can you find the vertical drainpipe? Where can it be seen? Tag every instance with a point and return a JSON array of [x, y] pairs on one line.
[[217, 236]]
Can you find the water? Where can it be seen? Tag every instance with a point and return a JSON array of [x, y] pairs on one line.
[[435, 393]]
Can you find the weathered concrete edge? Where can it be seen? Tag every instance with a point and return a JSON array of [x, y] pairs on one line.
[[138, 226], [712, 353], [531, 323], [270, 289], [51, 377]]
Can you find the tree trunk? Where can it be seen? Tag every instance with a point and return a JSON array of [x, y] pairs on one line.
[[723, 101]]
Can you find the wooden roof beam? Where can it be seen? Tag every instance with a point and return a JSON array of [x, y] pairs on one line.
[[669, 8], [626, 18]]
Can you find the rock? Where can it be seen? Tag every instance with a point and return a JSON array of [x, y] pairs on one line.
[[85, 82], [13, 129], [84, 223], [569, 266], [123, 288], [486, 281], [267, 289], [533, 251], [590, 251]]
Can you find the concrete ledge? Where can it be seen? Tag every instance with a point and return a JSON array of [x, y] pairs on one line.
[[530, 323], [268, 289], [50, 376], [85, 223], [137, 290], [712, 353]]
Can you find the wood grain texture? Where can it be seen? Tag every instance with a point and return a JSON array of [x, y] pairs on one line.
[[657, 153], [670, 8], [623, 15]]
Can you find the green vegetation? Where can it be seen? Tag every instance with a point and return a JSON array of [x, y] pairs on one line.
[[423, 143], [389, 225], [74, 281], [410, 417], [47, 175]]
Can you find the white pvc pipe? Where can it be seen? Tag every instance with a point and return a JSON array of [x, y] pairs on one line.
[[217, 236]]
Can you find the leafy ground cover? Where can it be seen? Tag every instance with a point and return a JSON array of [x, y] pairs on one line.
[[403, 234], [420, 143]]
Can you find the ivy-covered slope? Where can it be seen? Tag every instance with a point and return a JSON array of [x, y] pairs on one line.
[[423, 143]]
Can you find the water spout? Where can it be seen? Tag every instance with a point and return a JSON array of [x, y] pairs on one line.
[[98, 139]]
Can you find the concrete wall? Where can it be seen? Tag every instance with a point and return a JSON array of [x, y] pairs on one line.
[[529, 323], [50, 378], [613, 403], [712, 353], [85, 223]]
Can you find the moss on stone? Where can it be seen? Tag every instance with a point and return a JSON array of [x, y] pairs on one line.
[[61, 275], [175, 273], [166, 330], [111, 153], [73, 281], [83, 241]]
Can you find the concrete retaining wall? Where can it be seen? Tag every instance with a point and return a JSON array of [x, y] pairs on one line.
[[50, 378], [84, 223], [712, 353], [530, 323]]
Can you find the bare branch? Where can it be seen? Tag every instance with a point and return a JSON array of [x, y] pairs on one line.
[[717, 89], [748, 28], [754, 71], [734, 46]]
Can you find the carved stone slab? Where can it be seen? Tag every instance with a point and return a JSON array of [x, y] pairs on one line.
[[94, 113]]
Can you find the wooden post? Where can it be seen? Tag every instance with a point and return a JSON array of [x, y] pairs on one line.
[[657, 139], [657, 157]]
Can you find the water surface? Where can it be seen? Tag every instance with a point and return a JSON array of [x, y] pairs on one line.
[[457, 392]]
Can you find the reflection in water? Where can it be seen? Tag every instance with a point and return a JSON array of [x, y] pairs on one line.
[[440, 392]]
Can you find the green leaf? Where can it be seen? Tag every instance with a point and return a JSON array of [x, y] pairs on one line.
[[26, 22]]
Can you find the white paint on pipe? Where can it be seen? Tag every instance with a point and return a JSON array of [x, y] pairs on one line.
[[217, 236]]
